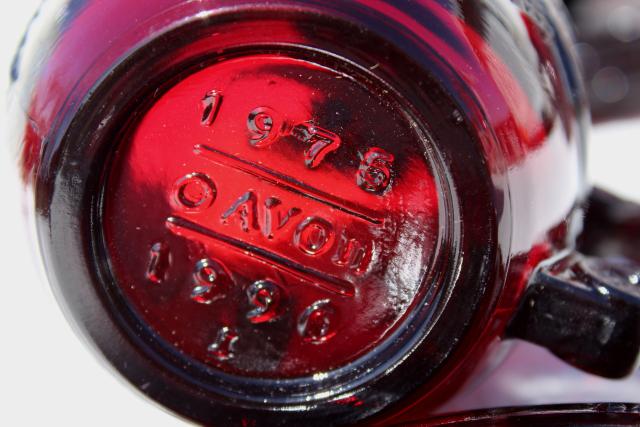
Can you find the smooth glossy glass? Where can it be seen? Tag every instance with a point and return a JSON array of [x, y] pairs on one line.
[[300, 211]]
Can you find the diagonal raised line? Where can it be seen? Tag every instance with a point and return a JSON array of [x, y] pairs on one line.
[[285, 182], [315, 277]]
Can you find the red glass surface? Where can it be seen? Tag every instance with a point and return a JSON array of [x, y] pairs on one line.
[[273, 215], [294, 209]]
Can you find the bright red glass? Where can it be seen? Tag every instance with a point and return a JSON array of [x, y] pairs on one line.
[[302, 211], [299, 246]]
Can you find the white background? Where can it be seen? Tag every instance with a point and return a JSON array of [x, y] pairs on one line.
[[48, 377]]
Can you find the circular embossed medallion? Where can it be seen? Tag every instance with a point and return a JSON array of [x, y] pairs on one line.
[[271, 217]]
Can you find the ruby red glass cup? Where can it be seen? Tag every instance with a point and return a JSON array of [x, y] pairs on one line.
[[316, 212]]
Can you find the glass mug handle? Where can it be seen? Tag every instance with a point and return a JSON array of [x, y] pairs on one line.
[[586, 310]]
